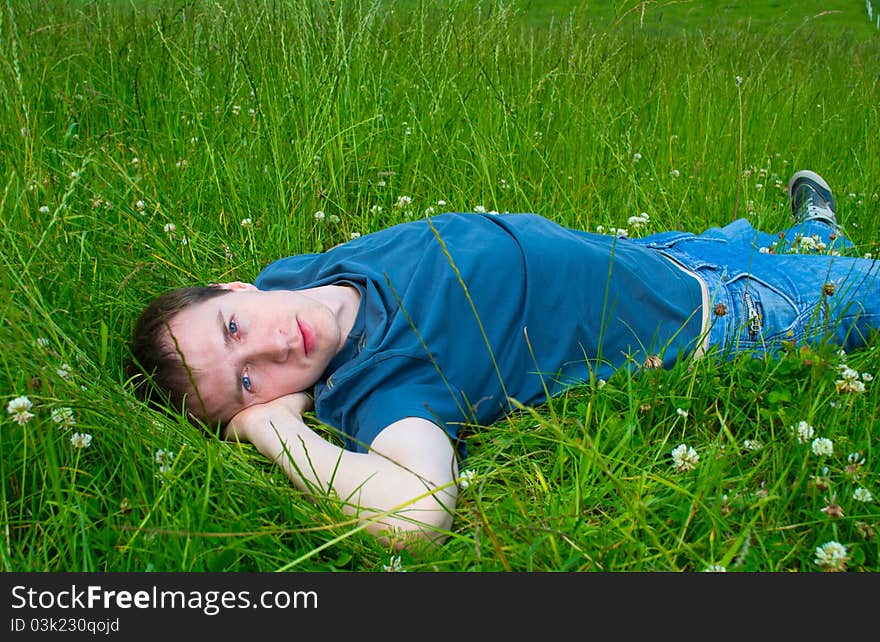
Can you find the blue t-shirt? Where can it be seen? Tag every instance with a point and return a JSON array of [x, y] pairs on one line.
[[462, 313]]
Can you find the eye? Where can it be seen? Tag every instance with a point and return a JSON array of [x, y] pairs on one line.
[[246, 381], [233, 327]]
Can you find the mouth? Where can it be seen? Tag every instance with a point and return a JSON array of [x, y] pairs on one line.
[[308, 336]]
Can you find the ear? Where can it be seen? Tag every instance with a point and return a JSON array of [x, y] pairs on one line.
[[235, 285]]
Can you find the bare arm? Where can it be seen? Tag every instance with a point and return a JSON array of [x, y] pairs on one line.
[[408, 472]]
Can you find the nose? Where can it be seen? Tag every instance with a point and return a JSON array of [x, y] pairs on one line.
[[274, 346]]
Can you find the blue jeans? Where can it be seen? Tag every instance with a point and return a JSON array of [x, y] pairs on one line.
[[760, 298]]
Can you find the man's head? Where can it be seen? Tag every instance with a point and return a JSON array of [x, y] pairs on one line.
[[154, 353], [217, 350]]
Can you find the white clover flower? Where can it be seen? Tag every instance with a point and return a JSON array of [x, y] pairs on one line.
[[849, 384], [638, 221], [44, 209], [42, 342], [684, 458], [752, 444], [855, 459], [376, 209], [247, 222], [637, 157], [867, 377], [862, 495], [807, 242], [739, 81], [19, 408], [441, 202], [715, 568], [164, 458], [140, 205], [80, 440], [847, 373], [403, 201], [822, 447], [63, 371], [394, 565], [381, 183], [19, 404], [429, 211], [169, 228], [467, 476], [681, 412], [63, 416], [831, 556], [803, 431], [355, 235], [479, 209], [319, 215], [236, 110], [675, 173], [333, 218]]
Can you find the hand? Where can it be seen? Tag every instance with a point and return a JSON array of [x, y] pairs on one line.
[[261, 414], [297, 402]]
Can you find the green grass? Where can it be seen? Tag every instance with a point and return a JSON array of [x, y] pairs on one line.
[[117, 122], [843, 17]]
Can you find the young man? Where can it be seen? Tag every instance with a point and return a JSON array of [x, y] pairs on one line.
[[405, 336]]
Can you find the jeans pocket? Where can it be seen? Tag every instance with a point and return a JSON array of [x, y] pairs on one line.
[[762, 313], [688, 249]]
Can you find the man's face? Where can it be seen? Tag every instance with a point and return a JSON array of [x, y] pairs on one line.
[[251, 346]]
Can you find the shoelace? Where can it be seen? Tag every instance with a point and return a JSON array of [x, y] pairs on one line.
[[818, 211]]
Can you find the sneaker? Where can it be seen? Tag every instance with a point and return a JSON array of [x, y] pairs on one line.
[[811, 198]]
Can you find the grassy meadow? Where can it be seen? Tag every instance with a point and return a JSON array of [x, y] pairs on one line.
[[150, 144]]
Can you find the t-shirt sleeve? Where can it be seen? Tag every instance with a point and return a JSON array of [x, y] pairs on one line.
[[383, 408], [367, 399]]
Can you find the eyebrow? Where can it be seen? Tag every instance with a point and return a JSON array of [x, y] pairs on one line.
[[227, 340]]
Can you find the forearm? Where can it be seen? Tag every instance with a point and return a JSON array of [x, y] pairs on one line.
[[377, 487]]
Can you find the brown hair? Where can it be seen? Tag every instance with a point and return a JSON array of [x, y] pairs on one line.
[[156, 364]]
